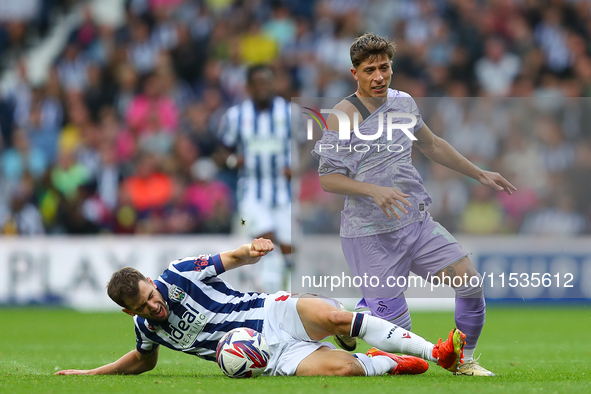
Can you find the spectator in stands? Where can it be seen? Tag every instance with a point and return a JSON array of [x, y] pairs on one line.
[[483, 214], [42, 137], [558, 218], [196, 127], [99, 92], [551, 35], [67, 175], [24, 217], [72, 68], [497, 69], [189, 56], [152, 112], [22, 159], [558, 153], [85, 213], [141, 51], [256, 47], [210, 197], [127, 88], [179, 217], [148, 189]]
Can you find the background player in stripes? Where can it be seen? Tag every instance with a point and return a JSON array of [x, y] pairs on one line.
[[189, 309], [257, 135]]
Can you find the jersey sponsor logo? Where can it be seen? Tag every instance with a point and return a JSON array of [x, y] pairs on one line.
[[185, 331], [266, 145], [282, 298], [176, 294]]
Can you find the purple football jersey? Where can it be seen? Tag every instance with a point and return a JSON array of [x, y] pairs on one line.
[[380, 162]]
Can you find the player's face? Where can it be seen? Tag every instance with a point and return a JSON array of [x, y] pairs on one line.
[[373, 76], [260, 86], [149, 304]]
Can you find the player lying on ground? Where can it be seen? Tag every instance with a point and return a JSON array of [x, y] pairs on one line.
[[188, 308]]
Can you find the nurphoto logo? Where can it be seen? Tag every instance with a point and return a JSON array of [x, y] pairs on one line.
[[345, 130]]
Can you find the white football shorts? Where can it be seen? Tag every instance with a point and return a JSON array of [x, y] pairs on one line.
[[286, 336]]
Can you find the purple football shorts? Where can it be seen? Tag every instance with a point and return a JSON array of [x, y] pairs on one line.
[[424, 248]]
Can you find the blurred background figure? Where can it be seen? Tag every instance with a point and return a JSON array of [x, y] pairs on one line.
[[256, 138]]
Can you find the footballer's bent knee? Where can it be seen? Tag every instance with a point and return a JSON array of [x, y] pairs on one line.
[[339, 321]]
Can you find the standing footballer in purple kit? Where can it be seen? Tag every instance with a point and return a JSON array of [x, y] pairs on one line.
[[386, 229]]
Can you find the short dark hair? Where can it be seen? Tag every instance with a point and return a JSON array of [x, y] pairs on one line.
[[252, 70], [370, 46], [125, 285]]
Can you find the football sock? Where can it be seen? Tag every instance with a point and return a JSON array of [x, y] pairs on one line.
[[468, 354], [389, 337], [470, 313], [395, 310], [375, 366], [403, 320]]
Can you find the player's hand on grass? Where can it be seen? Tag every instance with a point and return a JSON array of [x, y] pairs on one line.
[[389, 197], [73, 372], [497, 182]]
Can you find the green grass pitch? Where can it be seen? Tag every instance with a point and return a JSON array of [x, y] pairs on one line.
[[531, 348]]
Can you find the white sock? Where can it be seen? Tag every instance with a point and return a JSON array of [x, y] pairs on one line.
[[468, 354], [390, 338], [377, 365]]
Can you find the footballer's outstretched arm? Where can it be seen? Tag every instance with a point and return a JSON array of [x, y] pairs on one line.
[[246, 254], [133, 363], [441, 152]]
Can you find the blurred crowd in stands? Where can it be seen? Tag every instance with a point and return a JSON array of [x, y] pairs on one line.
[[121, 137]]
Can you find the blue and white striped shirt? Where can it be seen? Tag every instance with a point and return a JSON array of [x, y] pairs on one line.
[[202, 309], [264, 138]]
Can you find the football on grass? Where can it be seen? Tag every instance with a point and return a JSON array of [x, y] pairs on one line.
[[242, 353]]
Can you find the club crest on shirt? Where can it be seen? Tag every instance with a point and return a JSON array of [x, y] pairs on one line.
[[176, 294]]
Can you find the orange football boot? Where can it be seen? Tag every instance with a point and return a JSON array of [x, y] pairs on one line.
[[406, 365], [450, 354]]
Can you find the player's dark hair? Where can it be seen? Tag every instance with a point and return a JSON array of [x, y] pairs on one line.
[[252, 70], [370, 46], [124, 285]]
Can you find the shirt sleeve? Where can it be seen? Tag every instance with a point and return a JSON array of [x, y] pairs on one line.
[[143, 344], [409, 105], [194, 268]]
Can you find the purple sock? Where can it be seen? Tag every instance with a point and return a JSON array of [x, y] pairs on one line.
[[470, 313], [394, 310]]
